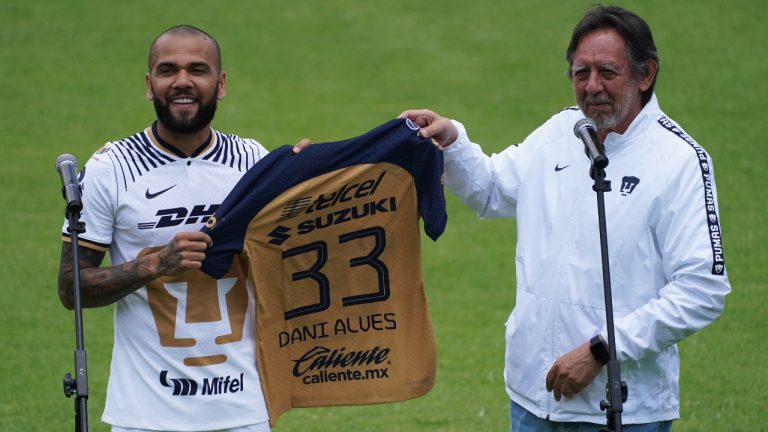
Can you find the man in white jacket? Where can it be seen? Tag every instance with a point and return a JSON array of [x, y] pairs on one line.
[[667, 270]]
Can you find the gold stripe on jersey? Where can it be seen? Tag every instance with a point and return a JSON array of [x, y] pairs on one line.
[[85, 243]]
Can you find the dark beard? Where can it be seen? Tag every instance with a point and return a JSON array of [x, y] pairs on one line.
[[200, 120]]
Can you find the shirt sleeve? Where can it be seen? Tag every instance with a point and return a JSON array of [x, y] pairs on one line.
[[99, 196], [688, 235], [258, 150]]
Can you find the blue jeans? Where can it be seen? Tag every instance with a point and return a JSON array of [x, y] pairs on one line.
[[523, 421]]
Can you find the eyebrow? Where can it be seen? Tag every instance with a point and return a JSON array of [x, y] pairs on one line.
[[603, 66], [609, 66], [195, 64]]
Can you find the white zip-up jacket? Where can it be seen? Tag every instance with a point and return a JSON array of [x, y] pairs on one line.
[[666, 262]]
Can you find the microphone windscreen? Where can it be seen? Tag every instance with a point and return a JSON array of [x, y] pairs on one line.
[[65, 159], [586, 122]]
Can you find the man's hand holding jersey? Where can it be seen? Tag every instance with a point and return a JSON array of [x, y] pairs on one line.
[[186, 251], [433, 125]]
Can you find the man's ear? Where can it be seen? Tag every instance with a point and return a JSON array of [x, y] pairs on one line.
[[150, 93], [652, 67], [222, 86]]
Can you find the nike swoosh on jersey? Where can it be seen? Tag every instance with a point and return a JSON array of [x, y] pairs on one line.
[[560, 168], [149, 195]]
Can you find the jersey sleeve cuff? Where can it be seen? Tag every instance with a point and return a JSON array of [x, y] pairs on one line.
[[101, 247]]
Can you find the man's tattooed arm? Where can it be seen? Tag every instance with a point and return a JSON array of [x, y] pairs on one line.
[[100, 286]]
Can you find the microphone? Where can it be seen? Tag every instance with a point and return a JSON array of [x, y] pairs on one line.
[[586, 130], [66, 165]]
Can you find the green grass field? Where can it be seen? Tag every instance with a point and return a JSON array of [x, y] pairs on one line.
[[72, 74]]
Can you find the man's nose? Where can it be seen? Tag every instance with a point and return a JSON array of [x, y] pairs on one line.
[[594, 83], [182, 79]]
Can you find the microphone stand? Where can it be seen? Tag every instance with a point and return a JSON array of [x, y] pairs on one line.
[[79, 384], [615, 389]]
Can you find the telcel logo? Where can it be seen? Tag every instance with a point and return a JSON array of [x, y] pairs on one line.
[[346, 193]]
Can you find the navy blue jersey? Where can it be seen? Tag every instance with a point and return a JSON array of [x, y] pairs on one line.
[[331, 236]]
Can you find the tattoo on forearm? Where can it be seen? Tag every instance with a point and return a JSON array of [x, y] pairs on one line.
[[100, 286], [111, 279]]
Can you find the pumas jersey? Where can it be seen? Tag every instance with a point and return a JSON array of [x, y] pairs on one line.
[[184, 346], [333, 242]]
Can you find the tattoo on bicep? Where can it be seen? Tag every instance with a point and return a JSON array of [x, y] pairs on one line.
[[88, 258], [66, 258]]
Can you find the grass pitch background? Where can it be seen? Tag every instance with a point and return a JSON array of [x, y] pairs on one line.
[[72, 79]]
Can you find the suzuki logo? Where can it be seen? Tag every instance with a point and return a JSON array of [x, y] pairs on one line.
[[279, 235]]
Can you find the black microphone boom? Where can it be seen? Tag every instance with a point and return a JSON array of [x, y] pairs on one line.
[[615, 389], [66, 165], [586, 130]]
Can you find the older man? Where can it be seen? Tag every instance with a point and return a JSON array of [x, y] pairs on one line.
[[666, 260]]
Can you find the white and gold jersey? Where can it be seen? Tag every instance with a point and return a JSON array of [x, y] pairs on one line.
[[184, 350]]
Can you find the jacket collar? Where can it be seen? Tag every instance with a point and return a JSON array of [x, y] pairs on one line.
[[647, 115]]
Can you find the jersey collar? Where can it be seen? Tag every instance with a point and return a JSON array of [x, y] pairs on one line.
[[165, 145]]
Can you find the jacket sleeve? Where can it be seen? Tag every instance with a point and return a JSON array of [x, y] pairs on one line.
[[688, 236], [487, 184]]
